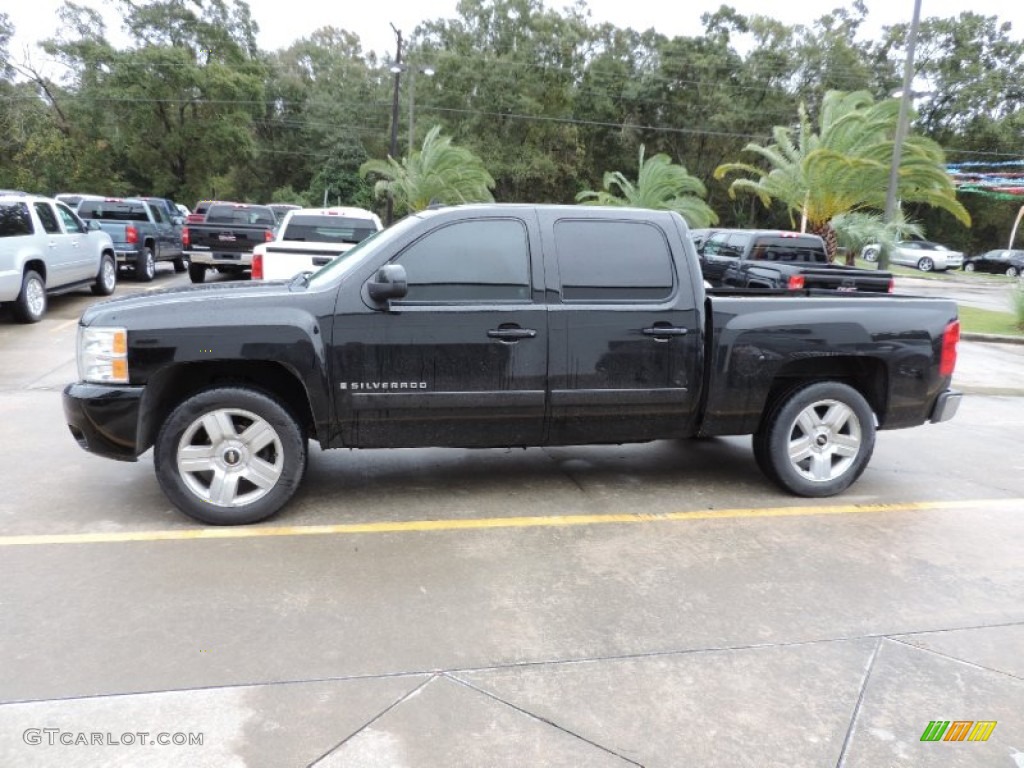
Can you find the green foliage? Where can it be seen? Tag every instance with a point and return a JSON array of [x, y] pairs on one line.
[[661, 185], [547, 99], [845, 165], [856, 229], [440, 172]]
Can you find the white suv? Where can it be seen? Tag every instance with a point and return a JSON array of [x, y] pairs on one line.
[[46, 249]]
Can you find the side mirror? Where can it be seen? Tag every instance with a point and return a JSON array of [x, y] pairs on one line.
[[388, 283]]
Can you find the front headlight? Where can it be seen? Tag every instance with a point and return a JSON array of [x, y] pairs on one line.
[[103, 355]]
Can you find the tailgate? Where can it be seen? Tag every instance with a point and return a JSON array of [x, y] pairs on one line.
[[227, 239]]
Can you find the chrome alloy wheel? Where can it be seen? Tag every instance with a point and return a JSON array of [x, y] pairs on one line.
[[230, 457], [824, 441], [35, 297], [108, 275]]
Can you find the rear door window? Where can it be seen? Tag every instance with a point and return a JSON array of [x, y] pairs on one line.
[[613, 261]]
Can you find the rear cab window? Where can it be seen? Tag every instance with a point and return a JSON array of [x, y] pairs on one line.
[[242, 215], [328, 229], [794, 250], [113, 210]]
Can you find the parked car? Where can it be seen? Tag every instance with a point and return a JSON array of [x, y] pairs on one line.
[[73, 199], [281, 209], [922, 254], [1001, 261], [167, 207], [198, 215], [309, 238], [46, 249], [142, 234]]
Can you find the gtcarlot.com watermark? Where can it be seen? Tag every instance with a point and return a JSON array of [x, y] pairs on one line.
[[53, 737]]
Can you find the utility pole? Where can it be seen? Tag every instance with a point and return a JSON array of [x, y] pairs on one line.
[[397, 69], [901, 130]]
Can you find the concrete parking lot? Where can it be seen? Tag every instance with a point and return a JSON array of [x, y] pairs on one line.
[[658, 604]]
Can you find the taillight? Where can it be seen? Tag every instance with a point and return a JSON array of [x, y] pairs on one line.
[[131, 234], [257, 266], [185, 238], [947, 360], [795, 283], [892, 285], [268, 236]]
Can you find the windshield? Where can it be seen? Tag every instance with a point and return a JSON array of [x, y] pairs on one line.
[[255, 215], [352, 258]]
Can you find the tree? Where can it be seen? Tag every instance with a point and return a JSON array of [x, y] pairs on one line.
[[438, 173], [661, 185], [845, 166]]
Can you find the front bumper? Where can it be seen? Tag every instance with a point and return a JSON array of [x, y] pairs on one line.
[[104, 419], [946, 406]]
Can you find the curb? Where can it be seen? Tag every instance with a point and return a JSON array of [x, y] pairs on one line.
[[992, 338]]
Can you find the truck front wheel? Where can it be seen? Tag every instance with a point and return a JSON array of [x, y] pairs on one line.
[[817, 439], [230, 456]]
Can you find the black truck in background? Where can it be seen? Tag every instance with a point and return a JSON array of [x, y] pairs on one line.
[[496, 326], [224, 240], [777, 260]]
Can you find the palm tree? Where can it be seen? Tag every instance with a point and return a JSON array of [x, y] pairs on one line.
[[661, 185], [845, 166], [438, 173]]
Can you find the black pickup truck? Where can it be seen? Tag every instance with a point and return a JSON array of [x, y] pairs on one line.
[[225, 239], [494, 326], [777, 259]]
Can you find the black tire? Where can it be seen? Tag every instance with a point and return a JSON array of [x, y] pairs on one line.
[[144, 269], [1012, 272], [181, 264], [837, 454], [106, 278], [30, 306], [197, 272], [869, 254], [969, 266], [225, 494], [926, 264]]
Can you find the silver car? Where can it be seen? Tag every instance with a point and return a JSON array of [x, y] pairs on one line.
[[922, 254]]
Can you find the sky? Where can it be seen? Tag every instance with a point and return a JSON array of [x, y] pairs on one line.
[[282, 22]]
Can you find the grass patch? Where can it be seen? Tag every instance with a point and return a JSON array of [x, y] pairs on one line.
[[975, 320]]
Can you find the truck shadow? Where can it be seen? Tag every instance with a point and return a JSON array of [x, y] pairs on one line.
[[451, 483]]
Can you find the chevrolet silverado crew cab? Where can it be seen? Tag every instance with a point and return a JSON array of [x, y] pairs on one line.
[[774, 259], [309, 238], [47, 249], [495, 326]]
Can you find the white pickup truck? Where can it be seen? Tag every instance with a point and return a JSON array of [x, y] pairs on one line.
[[47, 249], [309, 238]]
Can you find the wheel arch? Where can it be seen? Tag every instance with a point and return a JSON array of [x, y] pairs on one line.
[[868, 375], [171, 386], [35, 265]]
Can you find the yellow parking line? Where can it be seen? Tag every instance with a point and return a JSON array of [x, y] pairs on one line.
[[63, 325], [247, 532]]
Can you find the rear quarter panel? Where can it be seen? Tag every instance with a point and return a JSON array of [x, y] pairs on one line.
[[888, 347]]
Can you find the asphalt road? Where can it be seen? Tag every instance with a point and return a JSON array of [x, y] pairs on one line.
[[655, 604]]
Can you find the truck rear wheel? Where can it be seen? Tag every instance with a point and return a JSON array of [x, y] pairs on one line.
[[197, 272], [230, 456], [817, 439], [145, 266]]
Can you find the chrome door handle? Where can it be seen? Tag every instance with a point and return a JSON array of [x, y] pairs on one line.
[[511, 334], [665, 330]]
